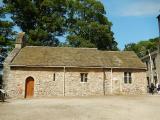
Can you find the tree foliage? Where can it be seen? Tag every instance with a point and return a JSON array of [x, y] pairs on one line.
[[88, 26], [6, 35], [41, 20], [141, 48], [6, 32], [83, 22]]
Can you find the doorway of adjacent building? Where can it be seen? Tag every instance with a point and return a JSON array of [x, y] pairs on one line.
[[29, 87]]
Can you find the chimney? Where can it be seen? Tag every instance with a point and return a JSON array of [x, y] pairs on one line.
[[158, 17], [20, 41]]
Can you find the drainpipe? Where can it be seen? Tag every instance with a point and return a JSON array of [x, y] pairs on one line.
[[111, 80], [120, 85], [104, 78], [64, 71]]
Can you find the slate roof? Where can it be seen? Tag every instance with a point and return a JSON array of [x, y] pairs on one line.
[[75, 57]]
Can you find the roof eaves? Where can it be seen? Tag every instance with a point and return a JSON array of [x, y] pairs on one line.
[[78, 66]]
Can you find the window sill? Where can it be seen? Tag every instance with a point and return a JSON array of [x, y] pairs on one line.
[[83, 82], [128, 83]]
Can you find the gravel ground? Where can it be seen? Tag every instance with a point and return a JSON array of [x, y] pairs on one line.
[[82, 108]]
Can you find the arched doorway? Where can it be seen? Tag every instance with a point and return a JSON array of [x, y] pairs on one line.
[[29, 87]]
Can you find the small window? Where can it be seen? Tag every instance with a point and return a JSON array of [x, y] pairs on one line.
[[84, 77], [54, 76], [127, 77]]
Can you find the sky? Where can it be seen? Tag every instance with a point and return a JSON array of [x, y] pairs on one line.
[[133, 20]]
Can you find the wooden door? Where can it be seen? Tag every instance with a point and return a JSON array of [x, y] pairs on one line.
[[29, 87]]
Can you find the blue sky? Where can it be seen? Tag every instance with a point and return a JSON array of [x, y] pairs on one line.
[[133, 20]]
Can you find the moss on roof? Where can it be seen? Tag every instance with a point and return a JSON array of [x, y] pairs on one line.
[[81, 57]]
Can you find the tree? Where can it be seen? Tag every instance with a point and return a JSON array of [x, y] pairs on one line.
[[83, 22], [6, 35], [41, 20], [6, 32], [142, 47], [88, 26]]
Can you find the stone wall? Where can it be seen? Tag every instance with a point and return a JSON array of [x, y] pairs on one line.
[[6, 67], [68, 82], [137, 87], [45, 86], [93, 86]]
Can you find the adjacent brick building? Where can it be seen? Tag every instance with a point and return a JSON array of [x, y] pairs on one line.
[[36, 71]]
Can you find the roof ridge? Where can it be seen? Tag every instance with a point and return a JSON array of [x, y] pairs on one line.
[[63, 47], [80, 48], [60, 47]]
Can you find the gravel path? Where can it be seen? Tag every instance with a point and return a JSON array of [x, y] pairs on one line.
[[86, 108]]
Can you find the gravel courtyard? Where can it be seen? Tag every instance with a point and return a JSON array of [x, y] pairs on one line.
[[83, 108]]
